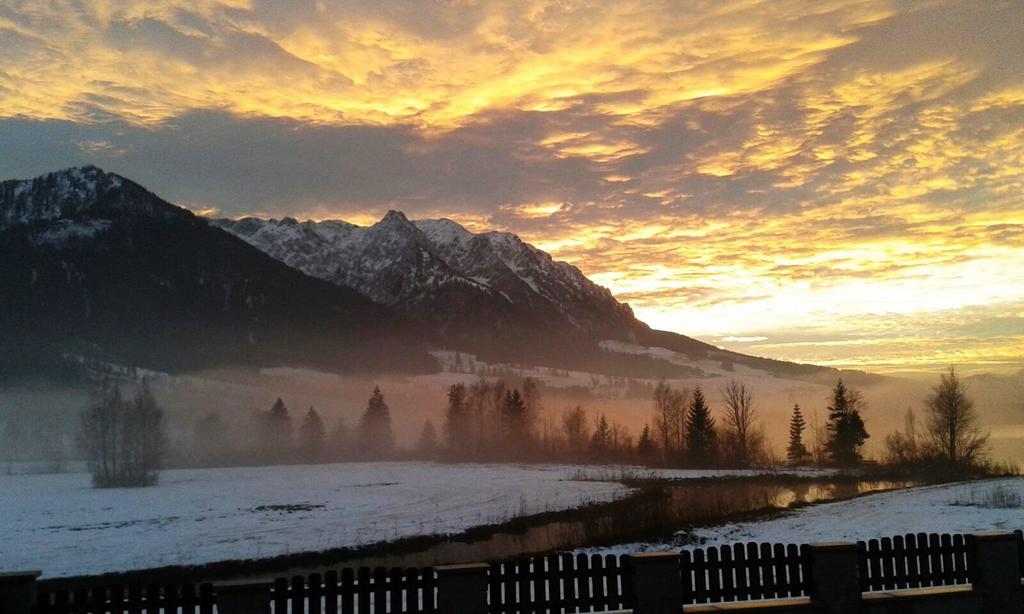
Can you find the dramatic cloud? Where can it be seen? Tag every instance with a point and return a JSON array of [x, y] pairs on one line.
[[830, 181]]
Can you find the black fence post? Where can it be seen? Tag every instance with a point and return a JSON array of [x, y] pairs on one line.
[[18, 592], [834, 583], [243, 598], [657, 582], [994, 569], [462, 588]]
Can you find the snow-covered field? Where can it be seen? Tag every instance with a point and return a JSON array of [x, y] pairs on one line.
[[989, 505], [59, 524]]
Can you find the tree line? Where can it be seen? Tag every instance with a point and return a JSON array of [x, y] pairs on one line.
[[275, 435], [950, 440], [125, 439]]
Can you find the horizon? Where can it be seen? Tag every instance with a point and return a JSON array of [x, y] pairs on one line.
[[837, 186]]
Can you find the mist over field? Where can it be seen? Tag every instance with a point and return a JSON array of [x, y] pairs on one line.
[[52, 409]]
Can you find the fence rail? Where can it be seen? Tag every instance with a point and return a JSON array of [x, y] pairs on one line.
[[560, 583]]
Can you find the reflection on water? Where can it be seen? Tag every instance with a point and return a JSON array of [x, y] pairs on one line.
[[813, 493], [656, 512]]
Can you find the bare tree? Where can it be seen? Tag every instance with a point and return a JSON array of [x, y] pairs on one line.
[[145, 439], [101, 433], [952, 422], [819, 436], [739, 417], [575, 431], [904, 447], [670, 419], [123, 440]]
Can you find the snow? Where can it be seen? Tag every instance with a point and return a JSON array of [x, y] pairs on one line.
[[444, 232], [60, 524], [397, 261], [713, 367], [929, 509], [50, 196], [64, 230], [949, 508]]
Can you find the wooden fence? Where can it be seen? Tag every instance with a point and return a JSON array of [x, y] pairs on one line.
[[912, 561], [741, 572], [362, 591], [119, 599], [558, 583], [550, 584]]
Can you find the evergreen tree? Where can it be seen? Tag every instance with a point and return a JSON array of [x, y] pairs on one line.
[[845, 425], [600, 441], [375, 437], [515, 420], [276, 436], [458, 422], [796, 452], [312, 436], [645, 445], [700, 430], [427, 444]]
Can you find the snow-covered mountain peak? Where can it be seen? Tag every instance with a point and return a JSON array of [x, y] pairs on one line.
[[70, 193], [445, 232], [410, 264], [393, 217]]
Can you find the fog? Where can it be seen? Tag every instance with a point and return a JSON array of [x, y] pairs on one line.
[[39, 419]]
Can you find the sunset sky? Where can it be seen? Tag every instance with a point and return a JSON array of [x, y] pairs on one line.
[[831, 182]]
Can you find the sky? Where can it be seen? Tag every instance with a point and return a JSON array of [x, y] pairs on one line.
[[829, 182]]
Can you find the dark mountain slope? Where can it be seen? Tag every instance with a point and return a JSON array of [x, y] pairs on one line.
[[94, 264]]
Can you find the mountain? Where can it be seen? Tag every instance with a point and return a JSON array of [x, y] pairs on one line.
[[488, 293], [95, 265], [493, 294]]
